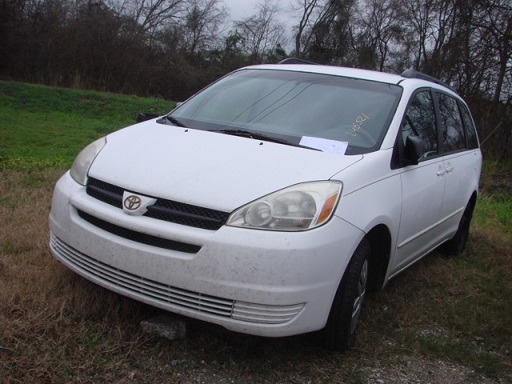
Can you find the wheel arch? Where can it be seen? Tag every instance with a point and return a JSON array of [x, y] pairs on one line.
[[472, 201], [379, 238]]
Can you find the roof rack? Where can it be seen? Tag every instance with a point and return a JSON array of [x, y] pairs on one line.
[[294, 60], [412, 74]]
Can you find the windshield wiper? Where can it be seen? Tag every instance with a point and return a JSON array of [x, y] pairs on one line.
[[172, 120], [258, 136]]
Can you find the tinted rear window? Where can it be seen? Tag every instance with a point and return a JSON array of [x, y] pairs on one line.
[[471, 134], [452, 128]]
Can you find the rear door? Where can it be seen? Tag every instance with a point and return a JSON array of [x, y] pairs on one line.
[[462, 159]]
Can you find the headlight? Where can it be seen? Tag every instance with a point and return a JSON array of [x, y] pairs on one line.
[[296, 208], [83, 161]]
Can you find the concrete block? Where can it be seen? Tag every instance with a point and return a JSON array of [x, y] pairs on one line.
[[165, 326]]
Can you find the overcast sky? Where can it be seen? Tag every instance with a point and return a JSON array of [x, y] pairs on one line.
[[240, 9]]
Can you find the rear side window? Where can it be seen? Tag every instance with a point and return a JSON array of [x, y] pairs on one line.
[[420, 120], [452, 134], [470, 127]]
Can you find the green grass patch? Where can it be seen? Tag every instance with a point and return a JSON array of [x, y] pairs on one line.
[[494, 212], [45, 127]]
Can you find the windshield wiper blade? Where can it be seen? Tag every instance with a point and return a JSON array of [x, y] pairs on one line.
[[244, 133], [251, 135], [258, 136], [173, 121]]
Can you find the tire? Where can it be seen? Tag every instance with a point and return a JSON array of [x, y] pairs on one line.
[[340, 331], [457, 244]]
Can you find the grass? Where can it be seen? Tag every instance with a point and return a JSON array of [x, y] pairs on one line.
[[47, 127], [57, 327]]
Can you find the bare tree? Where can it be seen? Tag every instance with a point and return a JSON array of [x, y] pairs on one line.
[[308, 9], [203, 21], [323, 32], [376, 33], [496, 21], [153, 15], [261, 32], [419, 16]]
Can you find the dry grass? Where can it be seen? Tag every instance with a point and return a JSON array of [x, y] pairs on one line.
[[57, 327]]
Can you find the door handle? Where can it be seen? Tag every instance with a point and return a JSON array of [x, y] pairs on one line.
[[449, 169], [441, 172]]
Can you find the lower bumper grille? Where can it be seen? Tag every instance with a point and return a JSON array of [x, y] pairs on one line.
[[139, 237], [170, 297]]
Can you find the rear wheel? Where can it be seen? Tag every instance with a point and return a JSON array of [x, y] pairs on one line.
[[340, 332]]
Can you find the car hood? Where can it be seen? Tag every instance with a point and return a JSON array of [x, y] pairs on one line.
[[208, 169]]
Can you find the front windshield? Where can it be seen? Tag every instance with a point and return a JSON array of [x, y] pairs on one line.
[[291, 106]]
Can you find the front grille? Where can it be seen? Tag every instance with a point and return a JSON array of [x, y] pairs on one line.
[[139, 237], [105, 192], [167, 210], [167, 296], [186, 214]]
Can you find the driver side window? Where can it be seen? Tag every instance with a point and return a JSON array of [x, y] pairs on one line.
[[420, 121]]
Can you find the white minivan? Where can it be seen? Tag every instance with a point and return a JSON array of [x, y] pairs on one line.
[[272, 200]]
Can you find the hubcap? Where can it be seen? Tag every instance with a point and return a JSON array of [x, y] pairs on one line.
[[358, 301]]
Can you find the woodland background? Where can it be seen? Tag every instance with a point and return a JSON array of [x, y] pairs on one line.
[[172, 48]]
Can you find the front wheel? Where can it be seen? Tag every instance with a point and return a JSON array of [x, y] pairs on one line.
[[457, 244], [340, 332]]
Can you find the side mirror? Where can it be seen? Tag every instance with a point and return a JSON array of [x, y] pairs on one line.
[[414, 150]]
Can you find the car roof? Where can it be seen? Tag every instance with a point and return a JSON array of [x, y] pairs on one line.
[[356, 73], [335, 71]]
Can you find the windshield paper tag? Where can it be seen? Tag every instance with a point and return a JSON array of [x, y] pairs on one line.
[[325, 145]]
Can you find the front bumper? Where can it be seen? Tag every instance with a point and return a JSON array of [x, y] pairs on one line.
[[257, 282]]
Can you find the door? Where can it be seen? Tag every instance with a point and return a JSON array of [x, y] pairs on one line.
[[423, 185], [461, 165]]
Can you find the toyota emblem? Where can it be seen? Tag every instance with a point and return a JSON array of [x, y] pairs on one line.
[[132, 202]]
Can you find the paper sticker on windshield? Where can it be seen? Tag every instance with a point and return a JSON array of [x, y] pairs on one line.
[[325, 145]]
